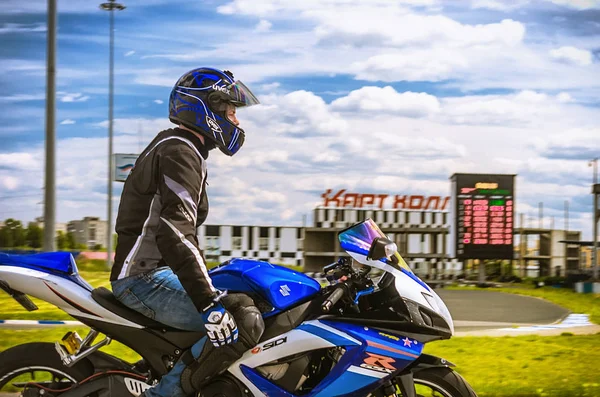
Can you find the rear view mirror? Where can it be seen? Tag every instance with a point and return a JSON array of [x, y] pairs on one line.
[[382, 247]]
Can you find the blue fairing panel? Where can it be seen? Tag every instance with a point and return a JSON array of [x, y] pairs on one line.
[[62, 262], [280, 286]]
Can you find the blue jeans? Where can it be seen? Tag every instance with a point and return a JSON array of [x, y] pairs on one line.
[[159, 295]]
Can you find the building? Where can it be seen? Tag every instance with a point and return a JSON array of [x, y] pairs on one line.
[[276, 244], [419, 225], [90, 231], [586, 257], [58, 227], [540, 252], [421, 236]]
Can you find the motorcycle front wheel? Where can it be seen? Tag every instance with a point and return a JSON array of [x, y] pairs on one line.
[[441, 382]]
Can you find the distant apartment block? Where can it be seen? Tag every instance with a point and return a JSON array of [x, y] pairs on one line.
[[58, 227], [276, 244], [90, 231]]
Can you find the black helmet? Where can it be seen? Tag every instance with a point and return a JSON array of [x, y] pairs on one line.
[[199, 102]]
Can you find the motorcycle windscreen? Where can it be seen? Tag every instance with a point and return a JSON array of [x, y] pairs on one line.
[[358, 239]]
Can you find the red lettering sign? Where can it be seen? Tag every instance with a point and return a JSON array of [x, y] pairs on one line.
[[344, 199]]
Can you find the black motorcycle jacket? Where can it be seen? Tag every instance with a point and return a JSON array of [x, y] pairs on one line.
[[163, 202]]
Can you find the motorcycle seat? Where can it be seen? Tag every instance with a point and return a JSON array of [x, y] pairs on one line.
[[105, 298]]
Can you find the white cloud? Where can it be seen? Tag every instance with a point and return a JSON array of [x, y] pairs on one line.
[[19, 161], [572, 55], [387, 100], [411, 65], [394, 27], [268, 88], [284, 8], [158, 101], [22, 28], [9, 182], [564, 97], [67, 122], [71, 97], [571, 144], [23, 98], [499, 5], [578, 4], [370, 138], [298, 113], [129, 53], [137, 126], [525, 108], [263, 26], [390, 43], [298, 145]]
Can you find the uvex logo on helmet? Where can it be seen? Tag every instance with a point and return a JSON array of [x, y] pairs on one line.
[[221, 88], [213, 125]]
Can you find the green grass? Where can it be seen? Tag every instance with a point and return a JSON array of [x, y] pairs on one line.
[[526, 366], [577, 303], [9, 338], [522, 366]]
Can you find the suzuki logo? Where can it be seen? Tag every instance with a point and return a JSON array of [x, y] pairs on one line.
[[285, 290]]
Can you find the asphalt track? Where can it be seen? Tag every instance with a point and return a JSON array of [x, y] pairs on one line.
[[472, 310], [477, 309]]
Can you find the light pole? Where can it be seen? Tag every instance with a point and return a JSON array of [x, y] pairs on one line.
[[49, 185], [596, 192], [110, 6]]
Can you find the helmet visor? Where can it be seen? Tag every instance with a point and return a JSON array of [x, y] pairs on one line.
[[237, 94]]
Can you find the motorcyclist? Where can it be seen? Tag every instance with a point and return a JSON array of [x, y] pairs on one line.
[[159, 268]]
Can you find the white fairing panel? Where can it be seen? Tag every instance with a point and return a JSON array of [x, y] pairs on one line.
[[65, 294], [292, 342], [409, 288]]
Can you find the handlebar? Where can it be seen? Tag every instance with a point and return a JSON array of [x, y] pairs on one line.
[[336, 295]]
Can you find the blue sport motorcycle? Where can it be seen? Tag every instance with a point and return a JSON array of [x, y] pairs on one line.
[[361, 335]]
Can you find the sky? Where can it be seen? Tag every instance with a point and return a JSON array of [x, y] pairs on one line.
[[371, 96]]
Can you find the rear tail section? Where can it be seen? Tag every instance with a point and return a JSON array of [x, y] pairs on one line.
[[53, 278]]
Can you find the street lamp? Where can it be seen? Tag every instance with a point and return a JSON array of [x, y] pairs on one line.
[[110, 6], [50, 170], [596, 192]]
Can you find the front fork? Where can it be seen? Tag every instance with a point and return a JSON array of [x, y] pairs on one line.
[[404, 382]]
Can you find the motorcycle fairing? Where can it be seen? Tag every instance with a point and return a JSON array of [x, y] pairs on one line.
[[60, 291], [370, 357], [280, 286], [61, 264]]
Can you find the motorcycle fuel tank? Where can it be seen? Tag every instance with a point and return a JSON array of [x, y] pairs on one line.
[[280, 286]]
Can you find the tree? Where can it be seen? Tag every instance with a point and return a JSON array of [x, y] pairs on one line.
[[6, 238], [71, 243], [34, 235], [13, 234], [61, 240]]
